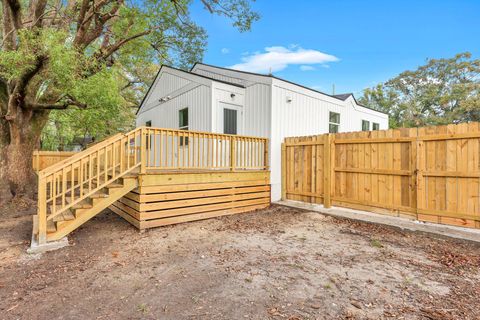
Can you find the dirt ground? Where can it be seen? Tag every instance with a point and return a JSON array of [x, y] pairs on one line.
[[278, 263]]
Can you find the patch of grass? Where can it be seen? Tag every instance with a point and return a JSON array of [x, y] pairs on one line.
[[327, 286], [250, 280], [376, 243], [142, 308]]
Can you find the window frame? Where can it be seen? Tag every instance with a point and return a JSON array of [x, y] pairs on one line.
[[148, 123], [367, 123], [331, 123], [377, 125], [236, 121], [183, 140]]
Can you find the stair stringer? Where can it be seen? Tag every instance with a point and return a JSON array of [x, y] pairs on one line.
[[83, 215]]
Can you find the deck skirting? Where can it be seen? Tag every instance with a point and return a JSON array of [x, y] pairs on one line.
[[165, 198]]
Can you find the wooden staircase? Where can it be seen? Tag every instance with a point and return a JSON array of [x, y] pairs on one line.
[[74, 190], [78, 214]]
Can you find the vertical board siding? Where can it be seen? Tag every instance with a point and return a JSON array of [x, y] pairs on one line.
[[165, 115], [430, 174]]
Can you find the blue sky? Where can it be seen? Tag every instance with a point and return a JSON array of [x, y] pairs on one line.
[[352, 44]]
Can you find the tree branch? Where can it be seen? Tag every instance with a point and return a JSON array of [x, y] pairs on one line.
[[105, 53], [37, 12], [69, 101]]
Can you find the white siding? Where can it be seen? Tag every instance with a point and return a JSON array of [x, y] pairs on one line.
[[165, 115], [166, 83], [258, 110], [308, 114], [222, 94]]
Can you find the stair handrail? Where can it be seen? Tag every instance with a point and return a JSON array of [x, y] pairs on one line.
[[81, 154], [43, 175]]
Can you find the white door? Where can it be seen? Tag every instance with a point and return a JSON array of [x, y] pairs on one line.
[[229, 118]]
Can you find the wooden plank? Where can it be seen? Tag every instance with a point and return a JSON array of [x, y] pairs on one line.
[[145, 198], [380, 140], [388, 172], [337, 200], [198, 186], [193, 202], [284, 172], [187, 178], [174, 212], [125, 216], [327, 172], [200, 216]]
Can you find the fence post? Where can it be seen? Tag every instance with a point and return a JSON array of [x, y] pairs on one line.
[[143, 151], [327, 172], [284, 172], [233, 153], [419, 170], [42, 210]]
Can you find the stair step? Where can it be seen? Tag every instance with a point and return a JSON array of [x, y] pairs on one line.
[[97, 195], [51, 228], [114, 185], [81, 205]]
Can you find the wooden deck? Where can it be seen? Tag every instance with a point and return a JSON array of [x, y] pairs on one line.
[[153, 177], [164, 197]]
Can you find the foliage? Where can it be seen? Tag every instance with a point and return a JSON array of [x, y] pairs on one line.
[[99, 57], [440, 92]]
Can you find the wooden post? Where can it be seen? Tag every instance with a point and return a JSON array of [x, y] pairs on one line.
[[327, 172], [233, 153], [266, 160], [42, 210], [284, 172], [143, 151]]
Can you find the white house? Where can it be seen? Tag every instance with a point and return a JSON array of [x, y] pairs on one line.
[[254, 105]]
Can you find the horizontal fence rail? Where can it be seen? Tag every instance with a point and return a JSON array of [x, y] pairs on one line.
[[44, 159], [430, 174]]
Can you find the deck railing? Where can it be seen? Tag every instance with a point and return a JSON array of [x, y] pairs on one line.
[[180, 149], [68, 182]]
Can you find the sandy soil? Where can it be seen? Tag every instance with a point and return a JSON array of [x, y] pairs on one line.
[[278, 263]]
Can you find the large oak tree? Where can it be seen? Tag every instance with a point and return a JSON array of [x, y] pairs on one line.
[[85, 55]]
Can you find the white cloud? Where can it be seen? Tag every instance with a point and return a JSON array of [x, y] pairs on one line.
[[278, 58], [307, 68], [225, 50]]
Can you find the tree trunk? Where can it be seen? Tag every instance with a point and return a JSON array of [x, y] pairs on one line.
[[5, 193], [21, 138]]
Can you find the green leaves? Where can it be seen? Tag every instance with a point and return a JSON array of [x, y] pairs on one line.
[[440, 92], [98, 57]]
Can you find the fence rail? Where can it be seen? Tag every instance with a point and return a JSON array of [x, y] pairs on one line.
[[430, 174], [45, 159]]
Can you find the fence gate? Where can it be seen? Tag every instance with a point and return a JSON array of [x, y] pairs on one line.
[[430, 174]]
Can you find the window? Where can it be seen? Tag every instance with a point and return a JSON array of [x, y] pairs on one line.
[[183, 124], [229, 121], [334, 122], [365, 125], [375, 126], [148, 123]]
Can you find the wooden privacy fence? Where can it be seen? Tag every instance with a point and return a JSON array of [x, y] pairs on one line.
[[429, 174], [44, 159]]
